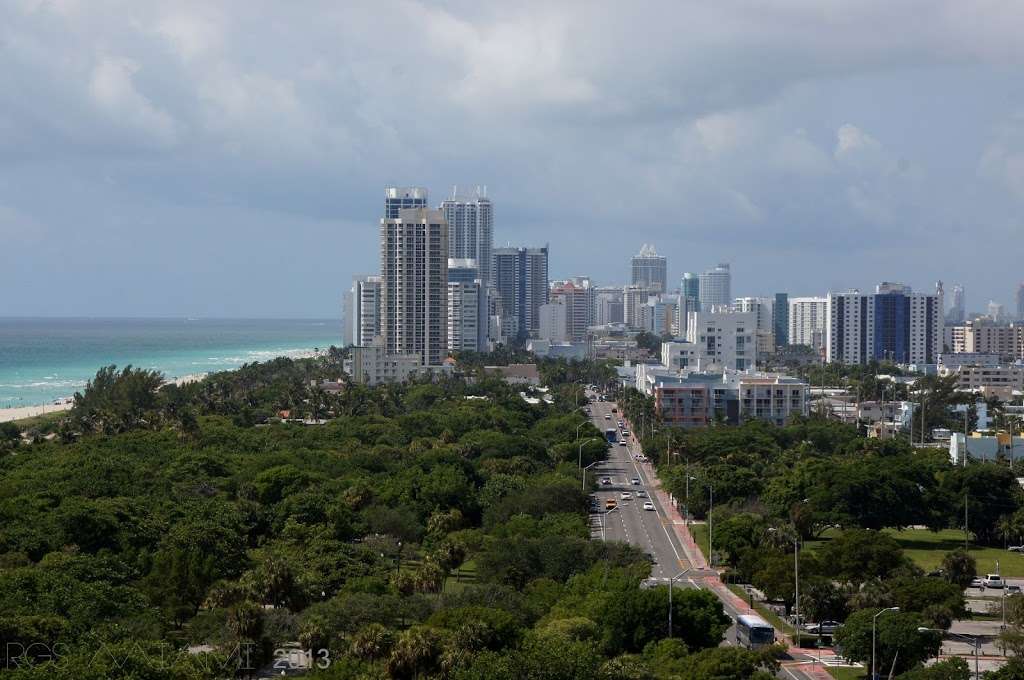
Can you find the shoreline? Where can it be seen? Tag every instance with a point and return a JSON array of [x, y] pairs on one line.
[[65, 403], [23, 412]]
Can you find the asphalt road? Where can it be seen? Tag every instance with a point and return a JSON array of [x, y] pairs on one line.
[[649, 530]]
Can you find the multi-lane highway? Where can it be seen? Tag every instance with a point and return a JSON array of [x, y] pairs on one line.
[[655, 530], [630, 522]]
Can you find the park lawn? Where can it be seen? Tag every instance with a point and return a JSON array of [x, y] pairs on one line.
[[847, 673], [927, 548]]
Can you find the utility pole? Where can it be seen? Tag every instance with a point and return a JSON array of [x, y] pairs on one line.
[[966, 532]]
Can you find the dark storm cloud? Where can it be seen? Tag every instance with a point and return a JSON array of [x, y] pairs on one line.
[[228, 158]]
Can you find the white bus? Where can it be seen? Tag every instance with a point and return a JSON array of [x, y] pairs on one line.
[[753, 632]]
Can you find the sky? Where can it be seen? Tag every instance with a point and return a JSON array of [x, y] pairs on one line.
[[229, 159]]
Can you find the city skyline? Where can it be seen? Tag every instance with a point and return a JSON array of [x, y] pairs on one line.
[[158, 160]]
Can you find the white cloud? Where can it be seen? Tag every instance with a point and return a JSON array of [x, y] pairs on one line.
[[1002, 161], [113, 91]]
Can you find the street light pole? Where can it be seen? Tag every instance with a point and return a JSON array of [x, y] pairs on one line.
[[671, 587], [585, 474], [580, 462], [711, 508], [874, 619], [975, 640]]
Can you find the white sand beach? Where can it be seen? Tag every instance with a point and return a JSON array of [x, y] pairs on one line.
[[21, 412]]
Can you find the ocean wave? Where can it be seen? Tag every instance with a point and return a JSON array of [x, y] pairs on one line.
[[45, 383]]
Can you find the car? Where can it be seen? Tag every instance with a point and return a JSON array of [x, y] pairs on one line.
[[936, 572], [623, 442], [625, 433], [635, 481], [607, 417], [614, 410], [977, 583], [1012, 589], [648, 505], [610, 504], [606, 481], [1016, 548], [823, 628], [641, 493], [625, 495], [993, 581]]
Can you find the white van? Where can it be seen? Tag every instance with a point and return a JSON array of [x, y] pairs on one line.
[[993, 581]]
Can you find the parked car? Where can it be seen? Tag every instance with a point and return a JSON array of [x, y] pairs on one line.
[[1016, 548], [936, 572], [1012, 589], [993, 581], [977, 583], [823, 628]]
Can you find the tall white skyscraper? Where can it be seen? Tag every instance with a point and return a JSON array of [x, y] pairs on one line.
[[716, 287], [471, 229], [1020, 302], [521, 278], [400, 198], [650, 270], [362, 311], [414, 290], [808, 318]]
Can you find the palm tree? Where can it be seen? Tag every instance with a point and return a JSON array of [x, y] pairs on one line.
[[374, 641], [415, 653]]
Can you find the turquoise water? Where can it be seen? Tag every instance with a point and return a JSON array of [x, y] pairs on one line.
[[42, 360]]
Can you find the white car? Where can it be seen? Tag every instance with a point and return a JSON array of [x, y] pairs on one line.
[[625, 495], [635, 481], [993, 581], [607, 417], [648, 506], [977, 583]]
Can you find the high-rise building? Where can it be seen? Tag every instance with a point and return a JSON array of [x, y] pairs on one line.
[[808, 318], [362, 311], [414, 291], [608, 305], [552, 320], [762, 309], [650, 270], [1020, 302], [577, 296], [521, 278], [957, 309], [780, 319], [467, 307], [400, 198], [893, 324], [724, 339], [689, 286], [471, 229], [716, 287], [633, 300], [996, 311]]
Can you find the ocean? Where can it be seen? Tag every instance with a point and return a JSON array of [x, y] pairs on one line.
[[42, 360]]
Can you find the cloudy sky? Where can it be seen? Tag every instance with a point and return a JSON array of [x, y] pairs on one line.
[[229, 158]]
